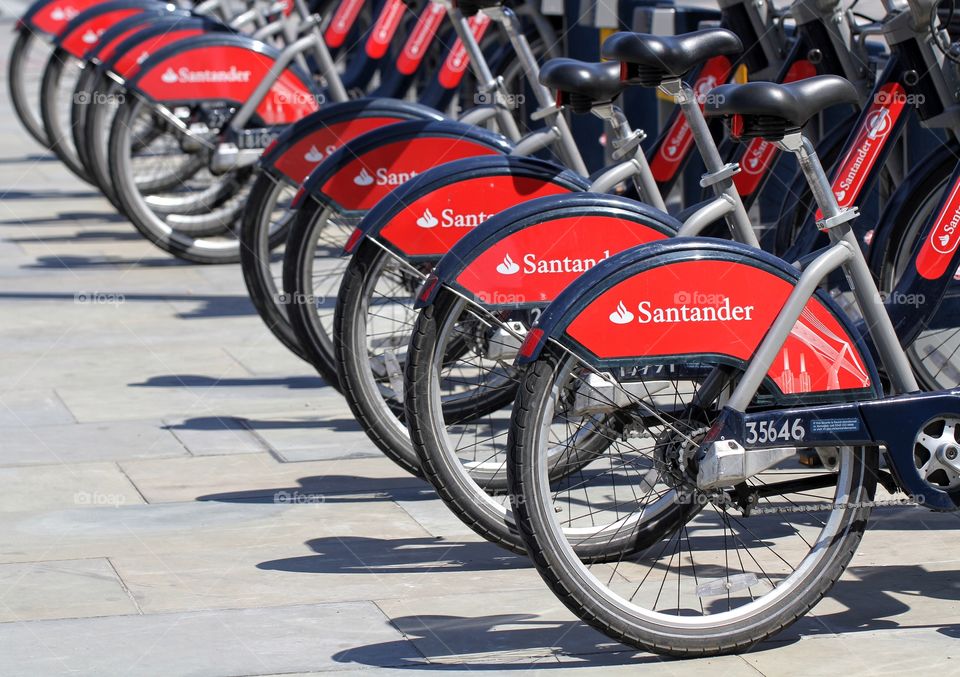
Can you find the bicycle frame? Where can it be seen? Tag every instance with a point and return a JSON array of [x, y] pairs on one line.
[[881, 124], [893, 422]]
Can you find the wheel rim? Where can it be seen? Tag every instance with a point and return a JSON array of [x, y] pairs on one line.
[[646, 587]]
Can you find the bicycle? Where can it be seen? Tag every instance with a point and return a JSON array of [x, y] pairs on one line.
[[484, 317], [703, 396]]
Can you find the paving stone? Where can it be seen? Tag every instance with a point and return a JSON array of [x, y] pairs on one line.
[[84, 442], [326, 434], [232, 642], [61, 589], [892, 652], [27, 407], [56, 486], [507, 627]]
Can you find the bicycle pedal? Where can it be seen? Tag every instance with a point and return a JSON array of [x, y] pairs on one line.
[[810, 458]]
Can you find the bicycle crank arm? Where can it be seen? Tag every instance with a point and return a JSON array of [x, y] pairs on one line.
[[741, 445]]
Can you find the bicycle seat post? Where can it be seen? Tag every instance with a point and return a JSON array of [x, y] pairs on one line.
[[487, 84], [719, 175], [836, 222], [510, 24]]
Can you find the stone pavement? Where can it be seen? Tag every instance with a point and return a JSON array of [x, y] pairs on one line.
[[154, 438]]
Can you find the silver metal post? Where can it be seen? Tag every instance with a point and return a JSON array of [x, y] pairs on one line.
[[845, 252], [328, 67], [621, 134], [567, 145], [779, 331], [486, 82], [249, 107], [738, 220]]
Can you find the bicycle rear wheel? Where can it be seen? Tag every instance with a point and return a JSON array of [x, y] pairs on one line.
[[738, 568], [264, 229], [162, 180], [28, 57]]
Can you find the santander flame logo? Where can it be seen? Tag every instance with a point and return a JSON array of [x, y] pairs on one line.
[[879, 123], [621, 315], [363, 178], [313, 155], [428, 220], [65, 13], [704, 86], [508, 266], [169, 76], [90, 36]]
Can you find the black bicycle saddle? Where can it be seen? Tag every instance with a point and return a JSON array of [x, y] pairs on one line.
[[655, 58], [470, 7], [582, 84], [765, 104]]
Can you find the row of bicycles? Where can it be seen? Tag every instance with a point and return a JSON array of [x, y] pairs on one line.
[[682, 406]]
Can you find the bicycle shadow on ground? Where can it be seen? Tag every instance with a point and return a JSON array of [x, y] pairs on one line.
[[210, 306], [333, 489], [49, 194], [220, 423], [81, 236], [873, 600], [60, 218], [201, 381], [362, 555], [500, 642], [520, 642], [74, 262]]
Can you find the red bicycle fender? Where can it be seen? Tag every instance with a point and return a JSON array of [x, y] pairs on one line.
[[535, 264], [366, 179], [224, 72], [85, 36], [53, 16], [433, 223], [720, 307], [304, 155]]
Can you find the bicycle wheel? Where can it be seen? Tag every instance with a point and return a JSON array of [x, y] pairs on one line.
[[105, 101], [264, 229], [28, 58], [466, 393], [459, 352], [161, 177], [738, 568], [935, 353], [372, 323], [313, 268], [58, 90]]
